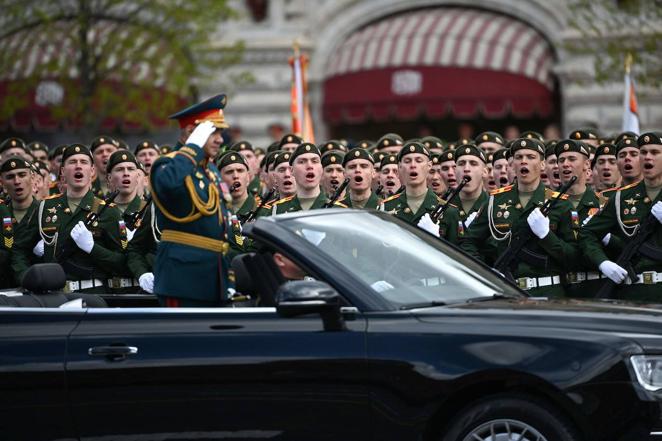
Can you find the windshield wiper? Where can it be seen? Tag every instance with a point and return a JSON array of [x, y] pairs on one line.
[[494, 296], [429, 304]]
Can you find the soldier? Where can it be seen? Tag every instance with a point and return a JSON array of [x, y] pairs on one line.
[[489, 184], [141, 250], [236, 174], [289, 143], [191, 268], [13, 147], [282, 175], [332, 166], [307, 171], [447, 169], [435, 181], [102, 147], [582, 280], [330, 146], [489, 142], [517, 207], [621, 217], [146, 153], [471, 162], [360, 169], [605, 168], [54, 164], [245, 148], [41, 180], [91, 255], [389, 177], [6, 244], [628, 161], [391, 143], [500, 168], [591, 138], [16, 179], [122, 175], [434, 145], [551, 175], [39, 150]]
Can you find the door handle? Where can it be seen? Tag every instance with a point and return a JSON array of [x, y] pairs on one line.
[[112, 352]]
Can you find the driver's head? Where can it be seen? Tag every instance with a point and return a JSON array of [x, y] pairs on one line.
[[289, 269]]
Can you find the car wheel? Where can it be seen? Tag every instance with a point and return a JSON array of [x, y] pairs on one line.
[[509, 418]]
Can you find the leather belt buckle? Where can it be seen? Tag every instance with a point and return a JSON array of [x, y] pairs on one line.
[[573, 277], [648, 277]]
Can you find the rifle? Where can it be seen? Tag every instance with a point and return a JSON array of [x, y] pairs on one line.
[[637, 243], [379, 190], [133, 220], [448, 196], [69, 246], [337, 194], [506, 261], [251, 215]]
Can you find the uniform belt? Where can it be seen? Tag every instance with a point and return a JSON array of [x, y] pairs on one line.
[[77, 285], [537, 282], [194, 240], [583, 276], [122, 282], [648, 278]]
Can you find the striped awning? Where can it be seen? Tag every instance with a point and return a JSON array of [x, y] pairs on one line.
[[448, 59]]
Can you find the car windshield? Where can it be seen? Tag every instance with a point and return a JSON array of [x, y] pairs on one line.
[[406, 266]]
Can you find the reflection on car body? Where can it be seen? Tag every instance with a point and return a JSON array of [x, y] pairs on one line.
[[398, 337]]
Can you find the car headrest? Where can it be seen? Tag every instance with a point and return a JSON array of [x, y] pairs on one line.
[[43, 277], [243, 279]]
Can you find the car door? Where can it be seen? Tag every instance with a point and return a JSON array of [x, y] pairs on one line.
[[33, 398], [224, 373]]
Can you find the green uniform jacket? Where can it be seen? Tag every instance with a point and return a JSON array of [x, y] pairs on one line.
[[255, 187], [290, 204], [448, 223], [8, 237], [55, 225], [624, 211], [478, 205], [504, 214], [372, 203], [7, 279], [141, 250]]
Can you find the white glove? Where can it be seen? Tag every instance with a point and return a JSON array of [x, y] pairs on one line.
[[657, 211], [129, 234], [381, 285], [146, 282], [539, 224], [615, 272], [426, 224], [201, 133], [606, 239], [38, 249], [83, 237], [470, 219]]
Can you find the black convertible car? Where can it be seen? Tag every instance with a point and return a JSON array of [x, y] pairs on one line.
[[392, 335]]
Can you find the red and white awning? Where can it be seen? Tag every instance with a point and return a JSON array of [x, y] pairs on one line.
[[441, 60]]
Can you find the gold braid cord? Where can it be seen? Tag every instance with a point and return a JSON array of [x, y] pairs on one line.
[[199, 207]]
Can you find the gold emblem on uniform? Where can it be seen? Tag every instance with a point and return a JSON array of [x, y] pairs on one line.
[[606, 149], [48, 219], [630, 201], [124, 157], [145, 144], [412, 148], [289, 139], [13, 164], [332, 159], [407, 210], [627, 141], [626, 212], [578, 135], [13, 143], [523, 143], [499, 214], [518, 206], [633, 210], [647, 199], [467, 150], [386, 143], [647, 138], [503, 206], [307, 148], [485, 137], [52, 210], [54, 218], [101, 140], [77, 149], [449, 156], [233, 157], [566, 147], [198, 175], [357, 153], [506, 214], [67, 210], [201, 184]]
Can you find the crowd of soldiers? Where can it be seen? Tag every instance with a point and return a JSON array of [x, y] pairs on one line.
[[163, 220]]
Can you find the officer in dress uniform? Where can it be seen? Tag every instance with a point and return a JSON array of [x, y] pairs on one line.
[[191, 268], [621, 217], [306, 164], [96, 253], [16, 179], [517, 207], [359, 167]]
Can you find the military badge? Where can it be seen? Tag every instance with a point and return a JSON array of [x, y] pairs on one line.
[[123, 237], [626, 212], [633, 210], [506, 214]]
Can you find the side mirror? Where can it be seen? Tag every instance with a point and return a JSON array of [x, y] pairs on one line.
[[302, 297]]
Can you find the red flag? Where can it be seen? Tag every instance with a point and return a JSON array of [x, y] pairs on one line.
[[302, 123]]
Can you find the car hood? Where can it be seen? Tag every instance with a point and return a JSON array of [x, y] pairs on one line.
[[641, 324]]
